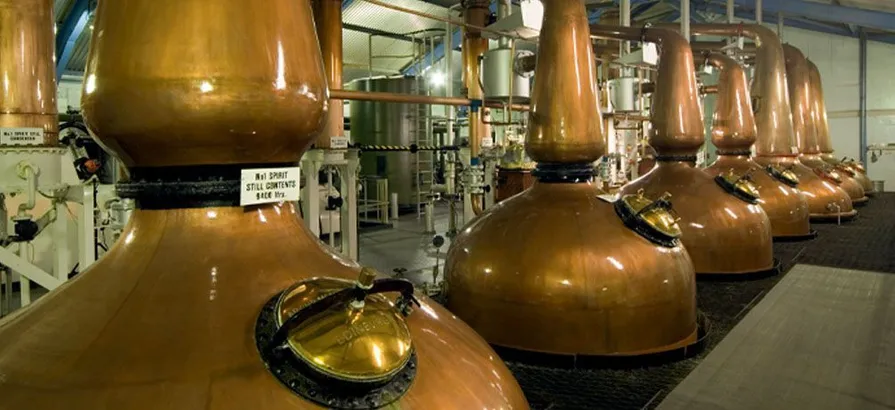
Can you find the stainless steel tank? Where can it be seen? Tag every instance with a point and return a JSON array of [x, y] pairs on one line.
[[499, 65], [390, 124]]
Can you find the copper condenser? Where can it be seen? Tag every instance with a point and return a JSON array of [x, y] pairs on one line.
[[805, 124], [557, 269], [733, 134], [724, 228], [207, 304]]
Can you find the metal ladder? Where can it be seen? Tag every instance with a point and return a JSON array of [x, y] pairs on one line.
[[423, 135]]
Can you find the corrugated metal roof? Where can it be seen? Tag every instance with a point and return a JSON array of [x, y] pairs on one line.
[[61, 8], [78, 62], [356, 45]]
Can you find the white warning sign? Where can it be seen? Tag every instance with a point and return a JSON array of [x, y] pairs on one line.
[[267, 185], [21, 136]]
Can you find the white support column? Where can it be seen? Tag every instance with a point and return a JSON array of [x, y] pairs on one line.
[[758, 11], [685, 19], [729, 11], [310, 195], [348, 189], [61, 252], [86, 229]]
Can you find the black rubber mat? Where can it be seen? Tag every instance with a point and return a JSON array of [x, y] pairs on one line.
[[864, 243]]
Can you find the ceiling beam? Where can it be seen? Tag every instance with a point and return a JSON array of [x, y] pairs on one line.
[[381, 33], [68, 33], [771, 18], [826, 12]]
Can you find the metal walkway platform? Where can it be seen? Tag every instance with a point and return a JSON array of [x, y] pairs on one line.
[[823, 338]]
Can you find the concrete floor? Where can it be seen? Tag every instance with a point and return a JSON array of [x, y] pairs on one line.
[[406, 246]]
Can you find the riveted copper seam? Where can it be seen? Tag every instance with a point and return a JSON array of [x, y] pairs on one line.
[[328, 19], [565, 125], [28, 67]]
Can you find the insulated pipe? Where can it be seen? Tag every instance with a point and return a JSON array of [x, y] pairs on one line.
[[474, 46], [352, 95], [677, 117], [328, 18]]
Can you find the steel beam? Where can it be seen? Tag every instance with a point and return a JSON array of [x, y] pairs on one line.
[[826, 12], [67, 35]]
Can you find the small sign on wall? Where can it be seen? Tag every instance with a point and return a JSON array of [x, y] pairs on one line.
[[269, 185], [21, 136]]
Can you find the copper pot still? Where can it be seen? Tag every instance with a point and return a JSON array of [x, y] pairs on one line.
[[776, 143], [723, 231], [733, 134], [805, 124], [555, 269], [204, 304], [825, 140], [28, 94]]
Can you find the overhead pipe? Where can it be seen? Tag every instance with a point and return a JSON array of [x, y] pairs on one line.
[[849, 173], [399, 98], [723, 233], [775, 146], [806, 125], [733, 134], [328, 20], [522, 273]]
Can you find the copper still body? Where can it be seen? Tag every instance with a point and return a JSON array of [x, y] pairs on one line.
[[806, 124], [723, 233], [28, 69], [173, 317], [733, 134], [825, 140], [776, 146], [555, 269]]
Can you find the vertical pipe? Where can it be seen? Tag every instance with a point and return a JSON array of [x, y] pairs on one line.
[[328, 16], [685, 19], [780, 25], [625, 20], [729, 11], [862, 87], [758, 11], [503, 11]]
